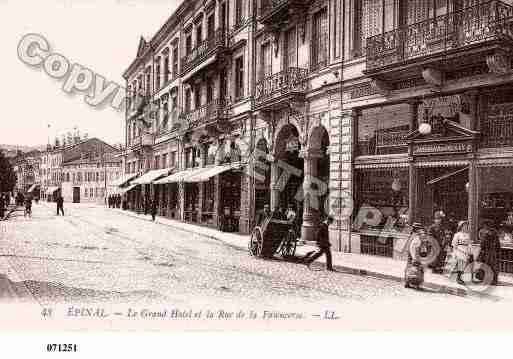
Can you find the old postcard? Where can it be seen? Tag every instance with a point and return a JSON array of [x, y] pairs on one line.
[[256, 165]]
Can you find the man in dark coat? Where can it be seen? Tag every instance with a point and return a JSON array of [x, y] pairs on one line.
[[490, 249], [153, 206], [437, 231], [323, 242], [60, 204]]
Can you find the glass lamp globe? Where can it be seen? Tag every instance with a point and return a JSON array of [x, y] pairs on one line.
[[425, 128]]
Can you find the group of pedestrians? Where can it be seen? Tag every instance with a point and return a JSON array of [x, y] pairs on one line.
[[443, 239], [114, 201]]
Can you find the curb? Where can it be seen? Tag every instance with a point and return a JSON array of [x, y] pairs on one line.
[[441, 288]]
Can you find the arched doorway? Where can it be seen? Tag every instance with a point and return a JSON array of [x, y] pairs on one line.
[[316, 183], [287, 171]]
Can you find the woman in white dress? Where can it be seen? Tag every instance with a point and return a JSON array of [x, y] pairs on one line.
[[461, 249]]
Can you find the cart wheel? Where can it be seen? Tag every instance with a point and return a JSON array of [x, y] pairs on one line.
[[255, 243], [288, 247]]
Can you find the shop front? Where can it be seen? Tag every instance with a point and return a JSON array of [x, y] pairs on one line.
[[453, 157]]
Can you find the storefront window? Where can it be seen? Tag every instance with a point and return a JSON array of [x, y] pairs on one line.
[[496, 203], [209, 195], [385, 190], [382, 130]]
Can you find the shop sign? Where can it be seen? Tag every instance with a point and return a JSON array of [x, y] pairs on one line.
[[427, 148]]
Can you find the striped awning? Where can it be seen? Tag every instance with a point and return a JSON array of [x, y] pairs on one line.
[[151, 176], [207, 173], [179, 176], [448, 163], [32, 188], [122, 180]]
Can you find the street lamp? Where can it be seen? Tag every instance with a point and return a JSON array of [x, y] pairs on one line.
[[424, 128]]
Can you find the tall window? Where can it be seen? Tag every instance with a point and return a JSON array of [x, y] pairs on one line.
[[157, 162], [223, 84], [239, 77], [187, 99], [210, 90], [382, 130], [164, 160], [157, 73], [197, 95], [266, 60], [172, 159], [291, 56], [211, 26], [188, 43], [199, 34], [148, 81], [373, 17], [239, 11], [320, 39], [175, 61], [166, 68]]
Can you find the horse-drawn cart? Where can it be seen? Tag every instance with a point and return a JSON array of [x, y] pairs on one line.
[[273, 236]]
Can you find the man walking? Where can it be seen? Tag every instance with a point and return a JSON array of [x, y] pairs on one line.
[[60, 204], [153, 206], [324, 245], [437, 231]]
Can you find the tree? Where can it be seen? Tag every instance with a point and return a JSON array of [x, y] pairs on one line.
[[7, 175]]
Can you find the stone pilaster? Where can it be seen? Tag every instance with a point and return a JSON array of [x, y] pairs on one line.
[[311, 208], [275, 188]]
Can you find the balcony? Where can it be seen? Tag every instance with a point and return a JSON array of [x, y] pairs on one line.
[[142, 141], [207, 114], [469, 37], [277, 89], [276, 11], [206, 49]]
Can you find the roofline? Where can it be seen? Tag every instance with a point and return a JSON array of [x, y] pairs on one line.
[[162, 31]]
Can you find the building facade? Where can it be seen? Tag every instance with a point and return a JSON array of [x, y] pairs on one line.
[[221, 79], [400, 108], [87, 178], [27, 169], [80, 171]]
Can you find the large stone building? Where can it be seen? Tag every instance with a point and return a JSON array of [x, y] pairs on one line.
[[403, 107], [220, 79]]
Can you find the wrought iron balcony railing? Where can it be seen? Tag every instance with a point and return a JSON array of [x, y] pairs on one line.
[[292, 80], [488, 21], [208, 113], [268, 8], [144, 140], [201, 52]]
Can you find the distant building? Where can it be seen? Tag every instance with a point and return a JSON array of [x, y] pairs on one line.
[[73, 170], [26, 166]]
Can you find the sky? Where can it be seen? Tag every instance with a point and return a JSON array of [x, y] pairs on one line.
[[101, 35]]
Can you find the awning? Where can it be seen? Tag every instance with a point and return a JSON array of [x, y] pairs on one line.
[[178, 176], [208, 173], [51, 190], [126, 189], [123, 180], [441, 178], [151, 176], [32, 188]]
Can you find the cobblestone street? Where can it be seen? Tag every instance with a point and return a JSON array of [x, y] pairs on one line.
[[95, 254]]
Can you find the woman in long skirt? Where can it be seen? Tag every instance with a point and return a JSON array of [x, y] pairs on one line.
[[461, 246]]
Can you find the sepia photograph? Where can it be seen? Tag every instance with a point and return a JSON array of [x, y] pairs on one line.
[[256, 165]]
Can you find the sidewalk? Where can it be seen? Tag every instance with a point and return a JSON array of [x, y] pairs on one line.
[[373, 266]]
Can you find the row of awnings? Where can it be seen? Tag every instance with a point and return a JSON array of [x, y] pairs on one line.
[[162, 176], [197, 175], [32, 188]]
